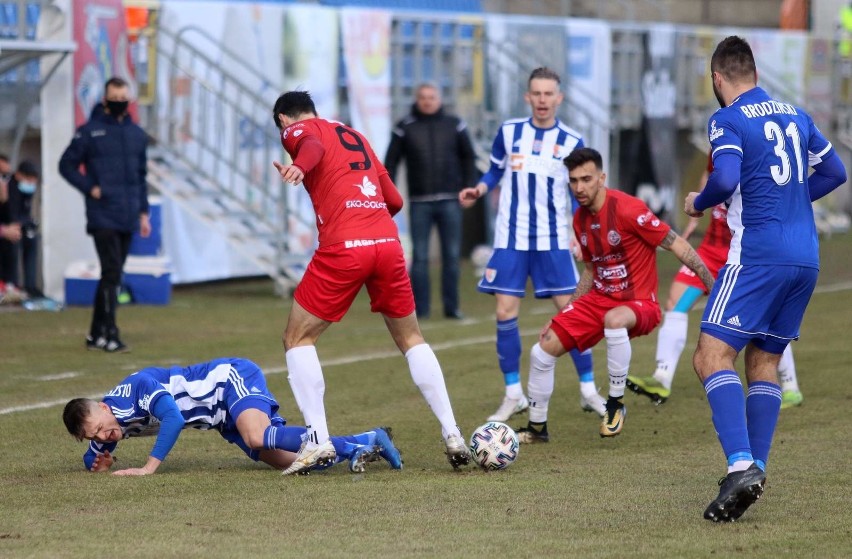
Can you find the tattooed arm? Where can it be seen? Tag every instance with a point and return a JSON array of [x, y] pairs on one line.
[[584, 285], [686, 254]]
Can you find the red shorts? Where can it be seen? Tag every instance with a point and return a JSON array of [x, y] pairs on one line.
[[713, 257], [581, 325], [337, 272]]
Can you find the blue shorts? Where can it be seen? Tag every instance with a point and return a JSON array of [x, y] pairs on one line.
[[246, 389], [553, 272], [760, 304]]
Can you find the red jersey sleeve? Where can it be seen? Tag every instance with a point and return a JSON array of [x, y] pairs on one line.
[[294, 135], [647, 226], [390, 193]]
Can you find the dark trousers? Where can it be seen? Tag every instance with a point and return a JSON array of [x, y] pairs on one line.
[[9, 262], [112, 247], [446, 215], [29, 253]]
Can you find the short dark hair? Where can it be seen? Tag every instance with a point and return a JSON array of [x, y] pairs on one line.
[[543, 73], [76, 413], [733, 59], [28, 168], [4, 157], [581, 156], [293, 104], [115, 81]]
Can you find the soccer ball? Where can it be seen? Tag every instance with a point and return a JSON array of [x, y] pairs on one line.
[[494, 446]]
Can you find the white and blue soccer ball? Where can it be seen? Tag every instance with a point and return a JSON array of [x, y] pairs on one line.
[[494, 446]]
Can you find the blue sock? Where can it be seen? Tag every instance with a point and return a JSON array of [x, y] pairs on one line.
[[290, 438], [509, 350], [727, 402], [283, 438], [583, 363], [762, 407]]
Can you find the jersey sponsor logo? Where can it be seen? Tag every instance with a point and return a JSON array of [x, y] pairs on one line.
[[595, 226], [122, 390], [367, 188], [297, 133], [98, 133], [366, 204], [715, 133], [545, 166], [611, 288], [612, 272], [613, 238], [734, 321], [643, 219], [584, 240], [490, 275], [655, 222]]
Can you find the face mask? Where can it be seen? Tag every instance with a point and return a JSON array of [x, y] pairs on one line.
[[28, 188], [117, 108]]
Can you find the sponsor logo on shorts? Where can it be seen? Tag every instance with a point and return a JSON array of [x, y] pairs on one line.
[[734, 321], [366, 242]]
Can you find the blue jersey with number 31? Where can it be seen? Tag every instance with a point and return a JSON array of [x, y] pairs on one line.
[[770, 212]]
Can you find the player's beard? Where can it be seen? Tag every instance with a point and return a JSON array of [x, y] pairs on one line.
[[718, 95]]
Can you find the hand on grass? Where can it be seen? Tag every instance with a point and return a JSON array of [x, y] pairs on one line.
[[102, 462]]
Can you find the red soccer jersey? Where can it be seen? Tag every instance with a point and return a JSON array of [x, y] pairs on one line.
[[620, 241], [345, 186]]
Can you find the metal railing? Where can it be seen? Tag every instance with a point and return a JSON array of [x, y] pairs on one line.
[[209, 127]]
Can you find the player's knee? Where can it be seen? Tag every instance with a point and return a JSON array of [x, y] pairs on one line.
[[254, 440]]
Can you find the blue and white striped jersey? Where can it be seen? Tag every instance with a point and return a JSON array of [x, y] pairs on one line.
[[198, 390], [770, 213], [534, 195]]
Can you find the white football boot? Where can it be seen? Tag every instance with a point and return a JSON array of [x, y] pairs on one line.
[[508, 408]]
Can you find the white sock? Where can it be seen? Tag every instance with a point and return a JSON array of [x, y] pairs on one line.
[[739, 466], [588, 388], [427, 375], [670, 343], [540, 383], [787, 371], [514, 391], [308, 386], [618, 354]]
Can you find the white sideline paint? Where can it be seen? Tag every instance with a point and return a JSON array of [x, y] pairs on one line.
[[379, 355], [57, 376]]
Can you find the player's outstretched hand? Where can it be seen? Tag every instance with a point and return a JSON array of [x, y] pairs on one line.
[[289, 173], [689, 205], [132, 472], [469, 196], [102, 462]]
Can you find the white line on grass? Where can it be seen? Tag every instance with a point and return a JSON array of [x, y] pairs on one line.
[[382, 354]]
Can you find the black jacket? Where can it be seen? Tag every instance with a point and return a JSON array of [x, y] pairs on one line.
[[113, 155], [438, 154]]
